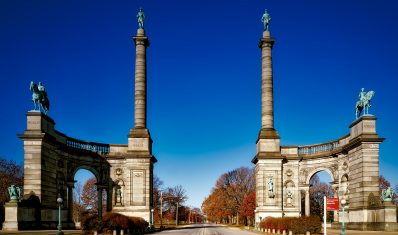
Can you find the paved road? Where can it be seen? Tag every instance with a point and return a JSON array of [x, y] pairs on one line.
[[206, 229]]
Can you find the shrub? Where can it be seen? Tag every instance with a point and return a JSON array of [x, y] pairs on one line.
[[89, 222], [298, 225], [114, 221]]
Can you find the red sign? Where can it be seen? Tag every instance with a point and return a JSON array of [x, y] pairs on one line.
[[332, 204]]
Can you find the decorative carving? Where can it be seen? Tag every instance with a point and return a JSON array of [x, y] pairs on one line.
[[118, 171], [345, 165], [270, 188], [289, 173], [138, 174], [303, 176]]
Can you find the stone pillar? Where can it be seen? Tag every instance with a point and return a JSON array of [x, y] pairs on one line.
[[70, 186], [307, 202], [363, 162], [11, 216], [109, 199], [268, 157], [267, 103], [141, 43]]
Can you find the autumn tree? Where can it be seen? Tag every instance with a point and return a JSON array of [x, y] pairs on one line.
[[89, 197], [248, 207], [226, 199], [173, 196]]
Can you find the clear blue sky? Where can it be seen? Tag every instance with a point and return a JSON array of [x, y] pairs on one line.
[[203, 76]]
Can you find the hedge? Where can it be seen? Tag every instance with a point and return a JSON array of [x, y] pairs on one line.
[[113, 221], [295, 224]]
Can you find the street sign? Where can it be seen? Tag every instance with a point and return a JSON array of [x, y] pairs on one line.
[[332, 204]]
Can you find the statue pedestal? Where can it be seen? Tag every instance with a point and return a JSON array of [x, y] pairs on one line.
[[11, 216]]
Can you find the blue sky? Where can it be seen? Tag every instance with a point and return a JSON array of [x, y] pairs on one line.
[[203, 76]]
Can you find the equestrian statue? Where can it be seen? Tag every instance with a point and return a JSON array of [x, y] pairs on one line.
[[364, 102], [39, 97]]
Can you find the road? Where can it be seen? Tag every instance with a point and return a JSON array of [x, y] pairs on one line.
[[205, 229]]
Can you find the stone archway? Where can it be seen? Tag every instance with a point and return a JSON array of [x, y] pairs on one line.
[[51, 161]]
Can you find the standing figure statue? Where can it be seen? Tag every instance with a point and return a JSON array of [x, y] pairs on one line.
[[14, 192], [39, 96], [141, 18], [364, 102], [266, 19]]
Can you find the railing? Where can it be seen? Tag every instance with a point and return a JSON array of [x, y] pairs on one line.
[[94, 147], [318, 148]]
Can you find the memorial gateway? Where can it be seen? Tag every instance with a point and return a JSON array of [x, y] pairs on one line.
[[51, 159], [283, 173], [125, 171]]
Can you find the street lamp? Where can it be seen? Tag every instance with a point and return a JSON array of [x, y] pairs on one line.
[[343, 202], [59, 227], [152, 219]]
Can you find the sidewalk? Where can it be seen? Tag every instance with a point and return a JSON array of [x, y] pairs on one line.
[[40, 232]]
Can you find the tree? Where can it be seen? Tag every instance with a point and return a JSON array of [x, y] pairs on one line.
[[78, 208], [10, 173], [317, 191], [157, 188], [225, 202], [89, 197], [174, 196], [248, 207]]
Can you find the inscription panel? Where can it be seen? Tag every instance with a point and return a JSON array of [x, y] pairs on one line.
[[139, 144], [138, 187]]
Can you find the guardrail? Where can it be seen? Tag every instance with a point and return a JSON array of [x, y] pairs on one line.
[[90, 146], [326, 147]]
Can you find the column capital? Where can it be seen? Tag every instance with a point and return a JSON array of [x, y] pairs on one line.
[[141, 40]]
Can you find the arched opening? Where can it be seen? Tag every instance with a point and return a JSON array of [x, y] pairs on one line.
[[85, 196], [320, 185]]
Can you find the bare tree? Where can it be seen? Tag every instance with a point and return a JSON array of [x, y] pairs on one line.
[[78, 207], [10, 173]]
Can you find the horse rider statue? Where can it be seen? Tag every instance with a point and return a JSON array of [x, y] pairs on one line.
[[364, 102], [39, 96]]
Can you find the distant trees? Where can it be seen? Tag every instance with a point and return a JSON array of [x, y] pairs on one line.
[[85, 200], [384, 184], [225, 204], [317, 191], [10, 173]]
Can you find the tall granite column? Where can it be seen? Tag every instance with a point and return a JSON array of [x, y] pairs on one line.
[[268, 157], [141, 43], [137, 166]]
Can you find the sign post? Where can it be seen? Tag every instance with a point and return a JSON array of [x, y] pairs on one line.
[[329, 204]]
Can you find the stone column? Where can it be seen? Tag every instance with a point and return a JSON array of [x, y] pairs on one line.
[[307, 202], [70, 186], [109, 199], [141, 43], [267, 103]]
